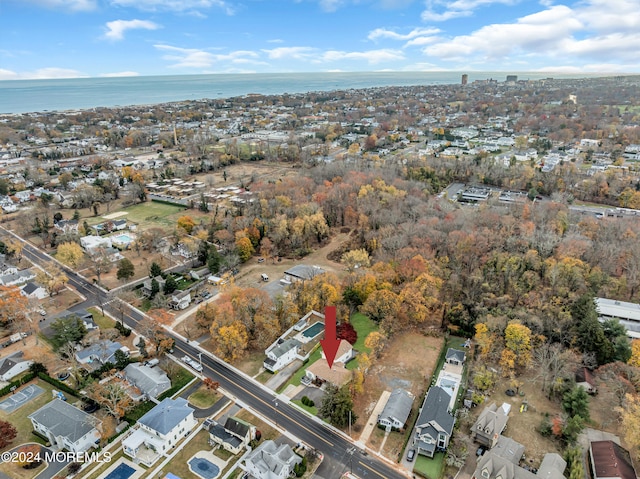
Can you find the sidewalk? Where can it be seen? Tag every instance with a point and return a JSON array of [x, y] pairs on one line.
[[373, 418]]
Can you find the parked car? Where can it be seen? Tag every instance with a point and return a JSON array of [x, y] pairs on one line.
[[194, 364], [411, 455]]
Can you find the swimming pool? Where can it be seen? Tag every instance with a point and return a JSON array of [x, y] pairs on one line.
[[122, 238], [123, 471], [313, 331], [204, 468]]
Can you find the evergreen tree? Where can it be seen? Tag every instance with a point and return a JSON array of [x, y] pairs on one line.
[[126, 270], [336, 406], [575, 402], [155, 270], [170, 285], [589, 333], [155, 288], [213, 260]]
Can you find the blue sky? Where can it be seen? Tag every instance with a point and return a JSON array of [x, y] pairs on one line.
[[78, 38]]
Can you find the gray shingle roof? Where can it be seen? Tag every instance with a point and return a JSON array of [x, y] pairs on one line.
[[435, 412], [10, 361], [151, 381], [64, 420], [285, 347], [166, 415], [398, 405], [455, 354]]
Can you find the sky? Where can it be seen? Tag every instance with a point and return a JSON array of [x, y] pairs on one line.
[[107, 38]]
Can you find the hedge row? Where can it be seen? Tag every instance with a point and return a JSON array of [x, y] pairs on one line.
[[180, 382], [18, 382], [58, 384]]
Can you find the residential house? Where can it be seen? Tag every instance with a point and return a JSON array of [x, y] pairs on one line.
[[119, 225], [13, 365], [584, 379], [33, 290], [66, 426], [5, 267], [18, 278], [234, 436], [397, 409], [151, 381], [435, 423], [270, 461], [490, 424], [101, 352], [159, 431], [338, 374], [67, 226], [502, 462], [455, 357], [280, 354], [147, 288], [92, 244], [610, 460], [180, 300]]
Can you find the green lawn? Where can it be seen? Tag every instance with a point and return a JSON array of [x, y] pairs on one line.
[[18, 418], [295, 379], [312, 409], [148, 214], [103, 322], [430, 468], [204, 398], [363, 326]]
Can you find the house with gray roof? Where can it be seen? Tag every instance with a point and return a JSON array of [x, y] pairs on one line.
[[13, 365], [503, 461], [270, 461], [435, 423], [455, 357], [14, 279], [159, 430], [280, 354], [66, 426], [397, 409], [490, 424], [233, 436], [151, 381], [302, 272], [101, 352]]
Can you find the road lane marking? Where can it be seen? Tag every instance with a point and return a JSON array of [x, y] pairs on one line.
[[260, 399], [371, 469]]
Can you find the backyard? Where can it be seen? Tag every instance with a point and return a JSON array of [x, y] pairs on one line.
[[178, 465]]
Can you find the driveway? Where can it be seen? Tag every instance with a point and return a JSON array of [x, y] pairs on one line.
[[283, 375], [315, 394], [48, 472]]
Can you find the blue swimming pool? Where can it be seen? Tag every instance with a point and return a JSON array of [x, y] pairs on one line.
[[313, 331], [204, 468], [123, 471], [123, 238]]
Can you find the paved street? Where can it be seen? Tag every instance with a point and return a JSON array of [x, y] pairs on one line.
[[310, 430]]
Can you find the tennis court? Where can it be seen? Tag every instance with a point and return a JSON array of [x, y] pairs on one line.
[[20, 398]]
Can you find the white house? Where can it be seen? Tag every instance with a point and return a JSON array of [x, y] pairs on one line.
[[33, 290], [66, 426], [91, 243], [102, 352], [159, 431], [233, 436], [13, 365], [397, 409], [270, 461], [280, 354], [180, 300]]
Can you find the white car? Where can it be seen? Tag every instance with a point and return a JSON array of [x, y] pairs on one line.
[[194, 364]]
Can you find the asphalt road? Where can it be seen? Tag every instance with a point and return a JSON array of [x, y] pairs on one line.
[[313, 432]]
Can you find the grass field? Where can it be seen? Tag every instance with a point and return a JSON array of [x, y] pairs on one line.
[[204, 398], [103, 322], [430, 468], [363, 326], [18, 418], [147, 215]]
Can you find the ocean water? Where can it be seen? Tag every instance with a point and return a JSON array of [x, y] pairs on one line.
[[22, 96]]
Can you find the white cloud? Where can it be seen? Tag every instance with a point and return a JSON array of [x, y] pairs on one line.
[[117, 28], [72, 5], [541, 31], [416, 32], [456, 9], [275, 40], [195, 58], [119, 74], [371, 56], [296, 53], [421, 41], [41, 74], [175, 5]]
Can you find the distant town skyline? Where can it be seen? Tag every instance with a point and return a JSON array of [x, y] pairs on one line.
[[108, 38]]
